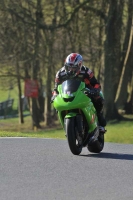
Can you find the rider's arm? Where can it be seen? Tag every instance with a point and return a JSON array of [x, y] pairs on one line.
[[91, 81]]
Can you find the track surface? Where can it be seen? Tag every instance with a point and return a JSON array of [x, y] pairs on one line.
[[45, 169]]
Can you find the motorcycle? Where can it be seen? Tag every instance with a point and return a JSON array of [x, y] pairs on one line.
[[78, 117]]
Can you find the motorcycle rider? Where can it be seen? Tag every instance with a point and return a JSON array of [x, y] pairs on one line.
[[74, 69]]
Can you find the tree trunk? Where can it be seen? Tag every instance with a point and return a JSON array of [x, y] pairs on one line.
[[129, 103], [101, 52], [35, 113], [36, 68], [121, 95], [112, 59], [48, 118], [20, 106]]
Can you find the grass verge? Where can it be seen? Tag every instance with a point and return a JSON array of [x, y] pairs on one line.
[[118, 132]]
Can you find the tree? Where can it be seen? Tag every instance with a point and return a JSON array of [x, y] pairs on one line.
[[46, 32], [126, 71], [112, 57]]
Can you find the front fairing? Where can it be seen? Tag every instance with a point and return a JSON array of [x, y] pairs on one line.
[[71, 96]]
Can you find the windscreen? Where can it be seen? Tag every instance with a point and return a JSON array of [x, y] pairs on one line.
[[70, 86]]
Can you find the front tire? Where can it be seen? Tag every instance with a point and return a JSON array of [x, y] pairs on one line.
[[97, 146], [70, 129]]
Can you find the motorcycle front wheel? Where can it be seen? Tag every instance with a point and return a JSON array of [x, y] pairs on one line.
[[70, 129]]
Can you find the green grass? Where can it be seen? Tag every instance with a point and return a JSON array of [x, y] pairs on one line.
[[12, 128], [120, 132], [38, 134]]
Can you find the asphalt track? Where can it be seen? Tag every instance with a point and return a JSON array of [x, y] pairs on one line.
[[45, 169]]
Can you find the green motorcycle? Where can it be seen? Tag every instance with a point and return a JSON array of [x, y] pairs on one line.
[[78, 117]]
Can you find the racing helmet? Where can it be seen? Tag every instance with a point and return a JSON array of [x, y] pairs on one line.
[[73, 63]]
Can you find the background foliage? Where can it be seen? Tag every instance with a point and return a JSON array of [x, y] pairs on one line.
[[37, 35]]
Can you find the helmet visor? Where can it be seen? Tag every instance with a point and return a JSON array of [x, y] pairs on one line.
[[71, 67]]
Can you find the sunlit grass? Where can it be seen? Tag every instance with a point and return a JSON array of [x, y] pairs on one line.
[[120, 132], [12, 128], [38, 134]]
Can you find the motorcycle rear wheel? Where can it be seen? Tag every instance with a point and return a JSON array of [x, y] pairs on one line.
[[97, 146], [71, 136]]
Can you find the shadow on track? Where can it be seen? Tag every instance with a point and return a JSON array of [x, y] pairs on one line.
[[111, 156]]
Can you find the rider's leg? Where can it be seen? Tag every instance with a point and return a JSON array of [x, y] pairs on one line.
[[99, 104]]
